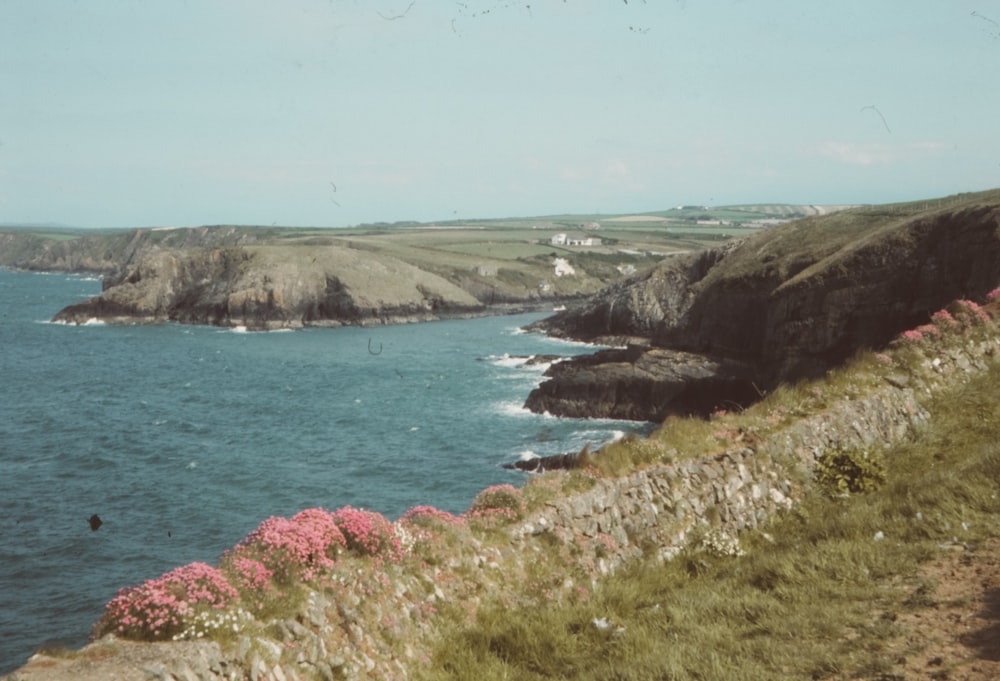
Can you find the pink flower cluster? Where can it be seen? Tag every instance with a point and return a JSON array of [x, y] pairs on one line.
[[496, 505], [422, 516], [251, 574], [943, 318], [368, 533], [302, 546], [993, 295], [971, 312], [962, 314], [156, 609]]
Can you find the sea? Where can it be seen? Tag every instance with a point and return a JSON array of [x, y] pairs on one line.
[[182, 439]]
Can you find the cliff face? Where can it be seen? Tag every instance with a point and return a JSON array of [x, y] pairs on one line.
[[263, 287], [787, 303]]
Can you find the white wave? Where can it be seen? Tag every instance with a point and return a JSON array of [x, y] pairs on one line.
[[512, 409], [414, 429], [527, 455], [192, 465], [94, 321], [505, 360], [239, 329], [598, 435]]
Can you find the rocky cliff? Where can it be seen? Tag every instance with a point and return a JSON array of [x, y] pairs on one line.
[[265, 287], [784, 304]]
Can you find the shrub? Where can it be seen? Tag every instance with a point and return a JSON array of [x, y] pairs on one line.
[[158, 609], [368, 533], [843, 472]]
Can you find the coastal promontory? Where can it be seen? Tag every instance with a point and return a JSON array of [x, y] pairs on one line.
[[719, 328]]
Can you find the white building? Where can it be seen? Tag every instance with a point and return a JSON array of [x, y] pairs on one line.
[[564, 239]]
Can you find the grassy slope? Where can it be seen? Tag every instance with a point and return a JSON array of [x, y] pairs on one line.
[[817, 593]]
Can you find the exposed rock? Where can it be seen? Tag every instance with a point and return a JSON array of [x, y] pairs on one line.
[[264, 287], [540, 464], [643, 384], [791, 302]]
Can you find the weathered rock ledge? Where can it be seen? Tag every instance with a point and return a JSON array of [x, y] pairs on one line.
[[378, 621]]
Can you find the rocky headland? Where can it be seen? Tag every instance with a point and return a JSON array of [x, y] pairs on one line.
[[265, 279], [719, 328]]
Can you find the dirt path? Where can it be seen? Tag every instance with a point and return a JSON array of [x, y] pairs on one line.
[[955, 635]]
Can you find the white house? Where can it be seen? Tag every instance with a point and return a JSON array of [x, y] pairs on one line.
[[564, 239]]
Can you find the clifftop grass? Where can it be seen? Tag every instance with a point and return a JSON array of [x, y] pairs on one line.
[[814, 594]]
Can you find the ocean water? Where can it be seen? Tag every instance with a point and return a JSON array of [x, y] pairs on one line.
[[184, 438]]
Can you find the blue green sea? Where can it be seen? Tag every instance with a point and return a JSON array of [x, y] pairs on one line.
[[184, 438]]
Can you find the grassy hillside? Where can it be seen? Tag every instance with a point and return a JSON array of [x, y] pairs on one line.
[[823, 592]]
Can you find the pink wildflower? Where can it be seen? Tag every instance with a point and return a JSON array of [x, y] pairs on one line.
[[428, 515], [301, 547], [496, 506], [368, 532], [971, 312], [157, 608], [943, 318]]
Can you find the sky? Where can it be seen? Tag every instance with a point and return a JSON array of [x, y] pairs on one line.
[[127, 113]]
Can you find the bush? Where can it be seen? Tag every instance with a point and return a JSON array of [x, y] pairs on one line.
[[842, 472]]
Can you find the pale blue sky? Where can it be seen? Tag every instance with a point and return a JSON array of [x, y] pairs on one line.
[[337, 112]]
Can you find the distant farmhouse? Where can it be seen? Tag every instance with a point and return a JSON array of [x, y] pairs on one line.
[[564, 239]]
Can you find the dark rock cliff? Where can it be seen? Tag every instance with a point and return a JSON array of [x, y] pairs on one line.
[[787, 303]]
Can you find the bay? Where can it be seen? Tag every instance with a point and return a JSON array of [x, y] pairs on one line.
[[184, 438]]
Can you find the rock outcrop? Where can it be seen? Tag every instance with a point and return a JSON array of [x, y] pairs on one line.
[[267, 287], [280, 278], [784, 304]]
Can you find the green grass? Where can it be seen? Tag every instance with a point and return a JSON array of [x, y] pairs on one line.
[[817, 592]]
